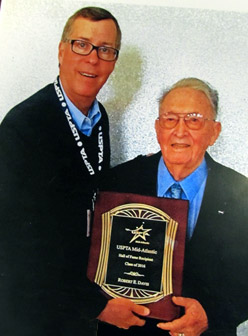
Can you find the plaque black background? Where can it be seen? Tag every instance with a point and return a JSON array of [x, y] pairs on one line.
[[120, 237], [163, 309]]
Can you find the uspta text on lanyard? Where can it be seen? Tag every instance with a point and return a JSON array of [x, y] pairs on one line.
[[76, 134]]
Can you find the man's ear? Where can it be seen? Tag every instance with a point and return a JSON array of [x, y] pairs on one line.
[[61, 51], [157, 129], [216, 132]]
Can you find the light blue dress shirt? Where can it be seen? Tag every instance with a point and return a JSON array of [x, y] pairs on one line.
[[193, 187], [84, 123]]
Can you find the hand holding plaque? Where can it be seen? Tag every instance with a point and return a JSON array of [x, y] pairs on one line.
[[137, 249]]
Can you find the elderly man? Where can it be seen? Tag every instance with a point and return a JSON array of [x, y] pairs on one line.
[[54, 148], [215, 286]]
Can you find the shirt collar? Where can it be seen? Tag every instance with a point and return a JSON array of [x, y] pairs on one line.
[[83, 123], [190, 185]]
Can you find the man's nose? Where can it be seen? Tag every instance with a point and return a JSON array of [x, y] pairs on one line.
[[93, 57], [181, 129]]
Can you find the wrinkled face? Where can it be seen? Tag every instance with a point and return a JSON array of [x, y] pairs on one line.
[[181, 145], [83, 76]]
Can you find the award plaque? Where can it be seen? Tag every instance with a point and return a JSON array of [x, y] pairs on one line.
[[137, 249]]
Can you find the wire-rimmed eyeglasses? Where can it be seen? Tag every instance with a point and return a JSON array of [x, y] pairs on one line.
[[193, 121], [84, 48]]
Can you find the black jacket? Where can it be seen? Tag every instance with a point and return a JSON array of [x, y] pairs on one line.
[[45, 190], [216, 258]]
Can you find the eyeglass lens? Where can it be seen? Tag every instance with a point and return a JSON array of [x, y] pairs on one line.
[[171, 120], [85, 48]]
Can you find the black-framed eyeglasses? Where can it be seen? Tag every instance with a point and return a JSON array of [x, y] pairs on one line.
[[84, 48], [193, 121]]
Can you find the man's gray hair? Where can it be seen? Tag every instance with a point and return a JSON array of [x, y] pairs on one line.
[[196, 84]]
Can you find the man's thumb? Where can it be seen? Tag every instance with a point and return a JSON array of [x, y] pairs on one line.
[[141, 310]]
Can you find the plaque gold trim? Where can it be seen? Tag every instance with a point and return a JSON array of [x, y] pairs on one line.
[[142, 211]]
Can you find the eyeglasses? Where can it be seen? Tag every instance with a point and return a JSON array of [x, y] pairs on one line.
[[84, 48], [193, 121]]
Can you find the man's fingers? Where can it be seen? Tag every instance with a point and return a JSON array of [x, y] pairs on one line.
[[164, 326], [177, 324], [193, 322], [139, 322], [123, 313]]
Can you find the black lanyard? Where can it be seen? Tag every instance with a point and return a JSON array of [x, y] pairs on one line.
[[76, 133]]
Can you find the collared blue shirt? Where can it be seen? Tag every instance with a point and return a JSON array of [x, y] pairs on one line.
[[84, 123], [193, 187]]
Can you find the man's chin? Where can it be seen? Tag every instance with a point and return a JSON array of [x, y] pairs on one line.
[[179, 160]]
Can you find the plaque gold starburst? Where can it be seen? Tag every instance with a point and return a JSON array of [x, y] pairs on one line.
[[139, 232]]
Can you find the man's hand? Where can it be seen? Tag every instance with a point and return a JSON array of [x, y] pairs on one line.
[[192, 323], [120, 312]]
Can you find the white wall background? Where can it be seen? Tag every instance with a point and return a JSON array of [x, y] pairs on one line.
[[161, 44], [163, 41]]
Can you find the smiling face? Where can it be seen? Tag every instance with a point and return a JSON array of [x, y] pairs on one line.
[[83, 76], [182, 148]]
